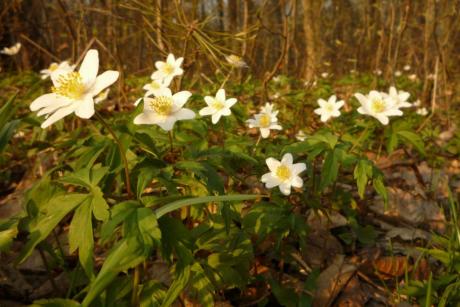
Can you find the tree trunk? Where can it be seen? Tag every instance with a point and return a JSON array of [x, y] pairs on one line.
[[311, 19]]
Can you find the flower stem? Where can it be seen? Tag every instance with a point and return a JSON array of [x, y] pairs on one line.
[[223, 133], [170, 140], [136, 280], [226, 78], [257, 143], [360, 138], [122, 153]]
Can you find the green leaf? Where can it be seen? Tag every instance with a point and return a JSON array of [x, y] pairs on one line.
[[285, 296], [379, 186], [8, 231], [362, 173], [6, 132], [7, 111], [201, 200], [126, 254], [99, 205], [50, 215], [81, 235], [202, 285], [414, 139], [176, 287], [55, 302], [152, 294], [330, 169]]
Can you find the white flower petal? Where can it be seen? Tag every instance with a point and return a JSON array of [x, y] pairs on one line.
[[104, 80], [220, 96], [272, 164], [297, 182], [45, 101], [184, 114], [181, 98], [216, 117], [85, 108], [207, 111], [230, 102], [90, 66], [287, 159], [265, 132], [59, 114], [285, 188]]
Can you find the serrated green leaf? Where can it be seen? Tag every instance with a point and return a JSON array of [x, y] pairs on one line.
[[51, 214], [81, 235], [99, 205], [126, 254], [179, 283], [330, 169], [414, 139], [362, 173]]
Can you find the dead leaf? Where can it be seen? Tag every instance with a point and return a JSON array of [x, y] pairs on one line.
[[389, 267], [320, 247], [325, 219], [352, 294], [332, 280]]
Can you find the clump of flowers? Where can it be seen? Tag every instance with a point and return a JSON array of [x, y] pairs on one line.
[[284, 174], [217, 106], [266, 120], [74, 92], [378, 105], [329, 108]]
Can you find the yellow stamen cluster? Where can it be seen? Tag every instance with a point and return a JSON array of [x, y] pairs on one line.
[[168, 68], [264, 120], [155, 85], [162, 105], [53, 67], [283, 172], [378, 106], [218, 105], [329, 107], [70, 86]]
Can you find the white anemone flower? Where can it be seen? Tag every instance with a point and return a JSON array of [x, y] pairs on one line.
[[11, 50], [217, 106], [398, 73], [155, 86], [74, 92], [165, 109], [56, 69], [301, 136], [406, 67], [377, 105], [284, 174], [329, 108], [235, 61], [166, 71], [399, 98], [266, 120], [422, 111]]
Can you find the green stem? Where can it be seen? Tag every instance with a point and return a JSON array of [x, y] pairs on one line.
[[170, 140], [122, 153], [226, 78], [136, 280], [223, 132], [257, 143], [360, 138]]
